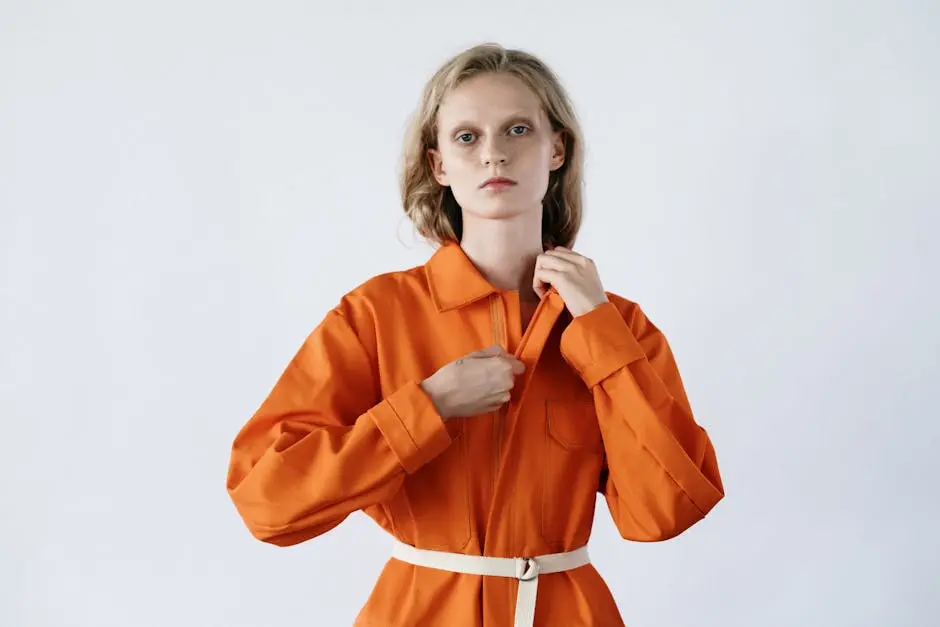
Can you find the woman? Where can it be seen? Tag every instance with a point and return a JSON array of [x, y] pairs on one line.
[[475, 405]]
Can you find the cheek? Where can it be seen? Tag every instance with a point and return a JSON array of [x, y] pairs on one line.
[[537, 166], [455, 162], [461, 171], [463, 178]]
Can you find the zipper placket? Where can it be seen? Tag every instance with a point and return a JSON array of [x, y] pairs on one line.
[[499, 333]]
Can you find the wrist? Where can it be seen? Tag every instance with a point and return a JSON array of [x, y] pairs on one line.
[[590, 307], [428, 387]]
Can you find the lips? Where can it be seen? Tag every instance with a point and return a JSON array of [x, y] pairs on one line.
[[497, 181]]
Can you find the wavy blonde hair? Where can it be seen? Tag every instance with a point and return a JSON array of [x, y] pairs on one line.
[[432, 208]]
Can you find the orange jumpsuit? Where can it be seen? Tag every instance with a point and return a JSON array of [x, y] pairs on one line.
[[600, 408]]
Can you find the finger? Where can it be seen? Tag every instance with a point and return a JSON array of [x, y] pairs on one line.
[[517, 366], [569, 255], [491, 351], [500, 398], [540, 288], [544, 278], [512, 365], [555, 262], [540, 284]]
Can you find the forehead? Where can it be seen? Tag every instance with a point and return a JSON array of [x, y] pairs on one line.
[[489, 97]]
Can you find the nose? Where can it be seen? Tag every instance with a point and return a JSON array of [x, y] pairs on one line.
[[492, 153]]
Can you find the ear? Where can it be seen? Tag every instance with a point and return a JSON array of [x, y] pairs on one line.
[[558, 150], [437, 166]]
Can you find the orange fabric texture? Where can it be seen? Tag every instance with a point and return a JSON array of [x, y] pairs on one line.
[[600, 408]]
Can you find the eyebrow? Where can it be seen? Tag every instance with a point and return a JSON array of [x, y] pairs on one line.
[[519, 116]]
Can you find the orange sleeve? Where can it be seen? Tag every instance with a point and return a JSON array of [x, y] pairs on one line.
[[323, 444], [661, 473]]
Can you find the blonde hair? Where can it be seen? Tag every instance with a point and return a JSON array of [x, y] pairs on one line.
[[432, 208]]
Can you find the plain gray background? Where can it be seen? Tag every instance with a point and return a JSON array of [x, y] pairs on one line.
[[187, 187]]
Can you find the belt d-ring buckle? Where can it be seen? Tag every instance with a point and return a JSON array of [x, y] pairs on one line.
[[527, 569]]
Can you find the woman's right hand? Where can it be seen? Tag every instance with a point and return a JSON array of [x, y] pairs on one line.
[[477, 383]]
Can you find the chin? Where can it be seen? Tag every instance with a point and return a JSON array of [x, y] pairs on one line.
[[495, 212], [498, 208]]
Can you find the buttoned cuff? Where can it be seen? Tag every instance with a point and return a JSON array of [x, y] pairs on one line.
[[411, 424], [599, 343]]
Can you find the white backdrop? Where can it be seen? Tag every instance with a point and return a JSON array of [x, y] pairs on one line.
[[187, 187]]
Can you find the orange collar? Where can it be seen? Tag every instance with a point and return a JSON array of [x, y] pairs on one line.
[[454, 280]]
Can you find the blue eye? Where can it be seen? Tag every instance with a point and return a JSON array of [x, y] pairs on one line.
[[464, 135], [523, 127]]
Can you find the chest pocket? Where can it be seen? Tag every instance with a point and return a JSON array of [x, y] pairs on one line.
[[573, 425], [574, 454]]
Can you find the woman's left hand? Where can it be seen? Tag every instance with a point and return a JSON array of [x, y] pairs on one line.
[[573, 275]]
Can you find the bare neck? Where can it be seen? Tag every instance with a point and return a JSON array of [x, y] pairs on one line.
[[504, 258]]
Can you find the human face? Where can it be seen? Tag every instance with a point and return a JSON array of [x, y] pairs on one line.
[[493, 125]]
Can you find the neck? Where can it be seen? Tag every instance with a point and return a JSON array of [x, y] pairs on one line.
[[504, 251]]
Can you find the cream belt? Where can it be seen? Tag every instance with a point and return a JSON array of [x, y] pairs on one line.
[[525, 569]]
